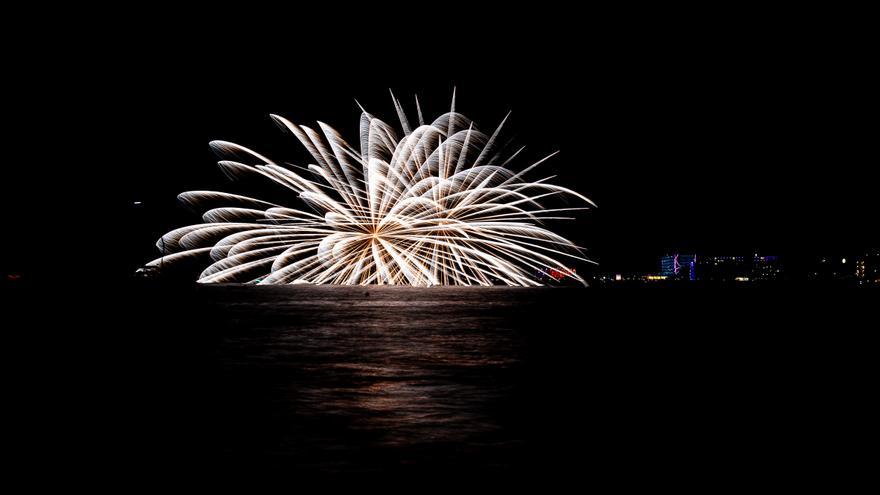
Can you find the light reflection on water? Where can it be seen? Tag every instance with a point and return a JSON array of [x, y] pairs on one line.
[[338, 378]]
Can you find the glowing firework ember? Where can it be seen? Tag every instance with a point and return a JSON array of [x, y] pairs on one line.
[[435, 206]]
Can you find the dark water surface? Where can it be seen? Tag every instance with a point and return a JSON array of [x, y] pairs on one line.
[[629, 386], [352, 379]]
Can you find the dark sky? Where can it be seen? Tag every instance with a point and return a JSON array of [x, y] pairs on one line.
[[727, 136]]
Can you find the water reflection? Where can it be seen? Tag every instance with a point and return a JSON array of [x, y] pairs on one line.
[[337, 377]]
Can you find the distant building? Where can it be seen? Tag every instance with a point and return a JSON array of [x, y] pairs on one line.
[[679, 267], [828, 268], [720, 268], [867, 267], [724, 268], [766, 268]]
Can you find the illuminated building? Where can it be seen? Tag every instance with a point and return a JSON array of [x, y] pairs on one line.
[[867, 267], [766, 268], [828, 268], [679, 266]]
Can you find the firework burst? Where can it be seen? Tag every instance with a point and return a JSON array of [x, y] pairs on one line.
[[437, 205]]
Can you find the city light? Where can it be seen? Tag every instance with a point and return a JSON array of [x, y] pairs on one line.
[[756, 269]]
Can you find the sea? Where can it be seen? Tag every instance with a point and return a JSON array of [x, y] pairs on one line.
[[635, 385]]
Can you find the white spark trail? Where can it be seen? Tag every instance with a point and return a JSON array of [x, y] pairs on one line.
[[435, 205]]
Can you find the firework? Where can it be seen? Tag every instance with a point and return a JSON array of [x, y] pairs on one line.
[[436, 205]]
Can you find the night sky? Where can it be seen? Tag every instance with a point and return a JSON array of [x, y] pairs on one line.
[[711, 130], [721, 138]]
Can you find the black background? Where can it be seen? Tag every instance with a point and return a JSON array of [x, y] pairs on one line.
[[742, 133]]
